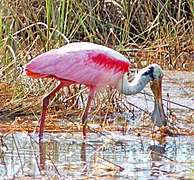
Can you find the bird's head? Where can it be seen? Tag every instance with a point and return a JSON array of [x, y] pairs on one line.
[[153, 74], [156, 73]]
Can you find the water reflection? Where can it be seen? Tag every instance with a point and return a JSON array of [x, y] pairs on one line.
[[157, 151], [83, 157], [42, 154], [67, 156]]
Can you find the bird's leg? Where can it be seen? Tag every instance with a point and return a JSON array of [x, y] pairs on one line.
[[85, 115], [45, 102]]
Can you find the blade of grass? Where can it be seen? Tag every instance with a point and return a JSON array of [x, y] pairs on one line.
[[1, 26], [48, 18]]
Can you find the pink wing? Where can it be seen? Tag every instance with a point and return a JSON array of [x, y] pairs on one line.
[[82, 63]]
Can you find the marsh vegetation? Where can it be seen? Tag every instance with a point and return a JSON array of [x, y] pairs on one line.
[[145, 32]]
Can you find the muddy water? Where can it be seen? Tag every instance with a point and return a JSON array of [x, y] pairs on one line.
[[110, 155]]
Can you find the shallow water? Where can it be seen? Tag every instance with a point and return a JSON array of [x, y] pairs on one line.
[[66, 156], [108, 155]]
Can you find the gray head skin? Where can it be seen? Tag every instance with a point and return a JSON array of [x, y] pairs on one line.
[[153, 74]]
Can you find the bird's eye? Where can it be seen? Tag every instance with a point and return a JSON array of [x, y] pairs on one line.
[[150, 72]]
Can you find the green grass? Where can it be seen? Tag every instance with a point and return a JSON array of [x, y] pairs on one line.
[[161, 33]]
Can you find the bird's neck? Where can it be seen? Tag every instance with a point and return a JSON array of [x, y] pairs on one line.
[[135, 86]]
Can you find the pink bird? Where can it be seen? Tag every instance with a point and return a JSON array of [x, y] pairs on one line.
[[95, 66]]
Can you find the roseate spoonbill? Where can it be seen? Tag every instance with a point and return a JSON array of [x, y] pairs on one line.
[[95, 66]]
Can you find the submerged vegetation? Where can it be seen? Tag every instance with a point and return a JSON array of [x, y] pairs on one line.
[[144, 31]]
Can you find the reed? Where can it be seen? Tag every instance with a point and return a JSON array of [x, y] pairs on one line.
[[149, 31]]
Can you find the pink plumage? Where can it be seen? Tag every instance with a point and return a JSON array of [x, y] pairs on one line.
[[81, 63], [78, 63]]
